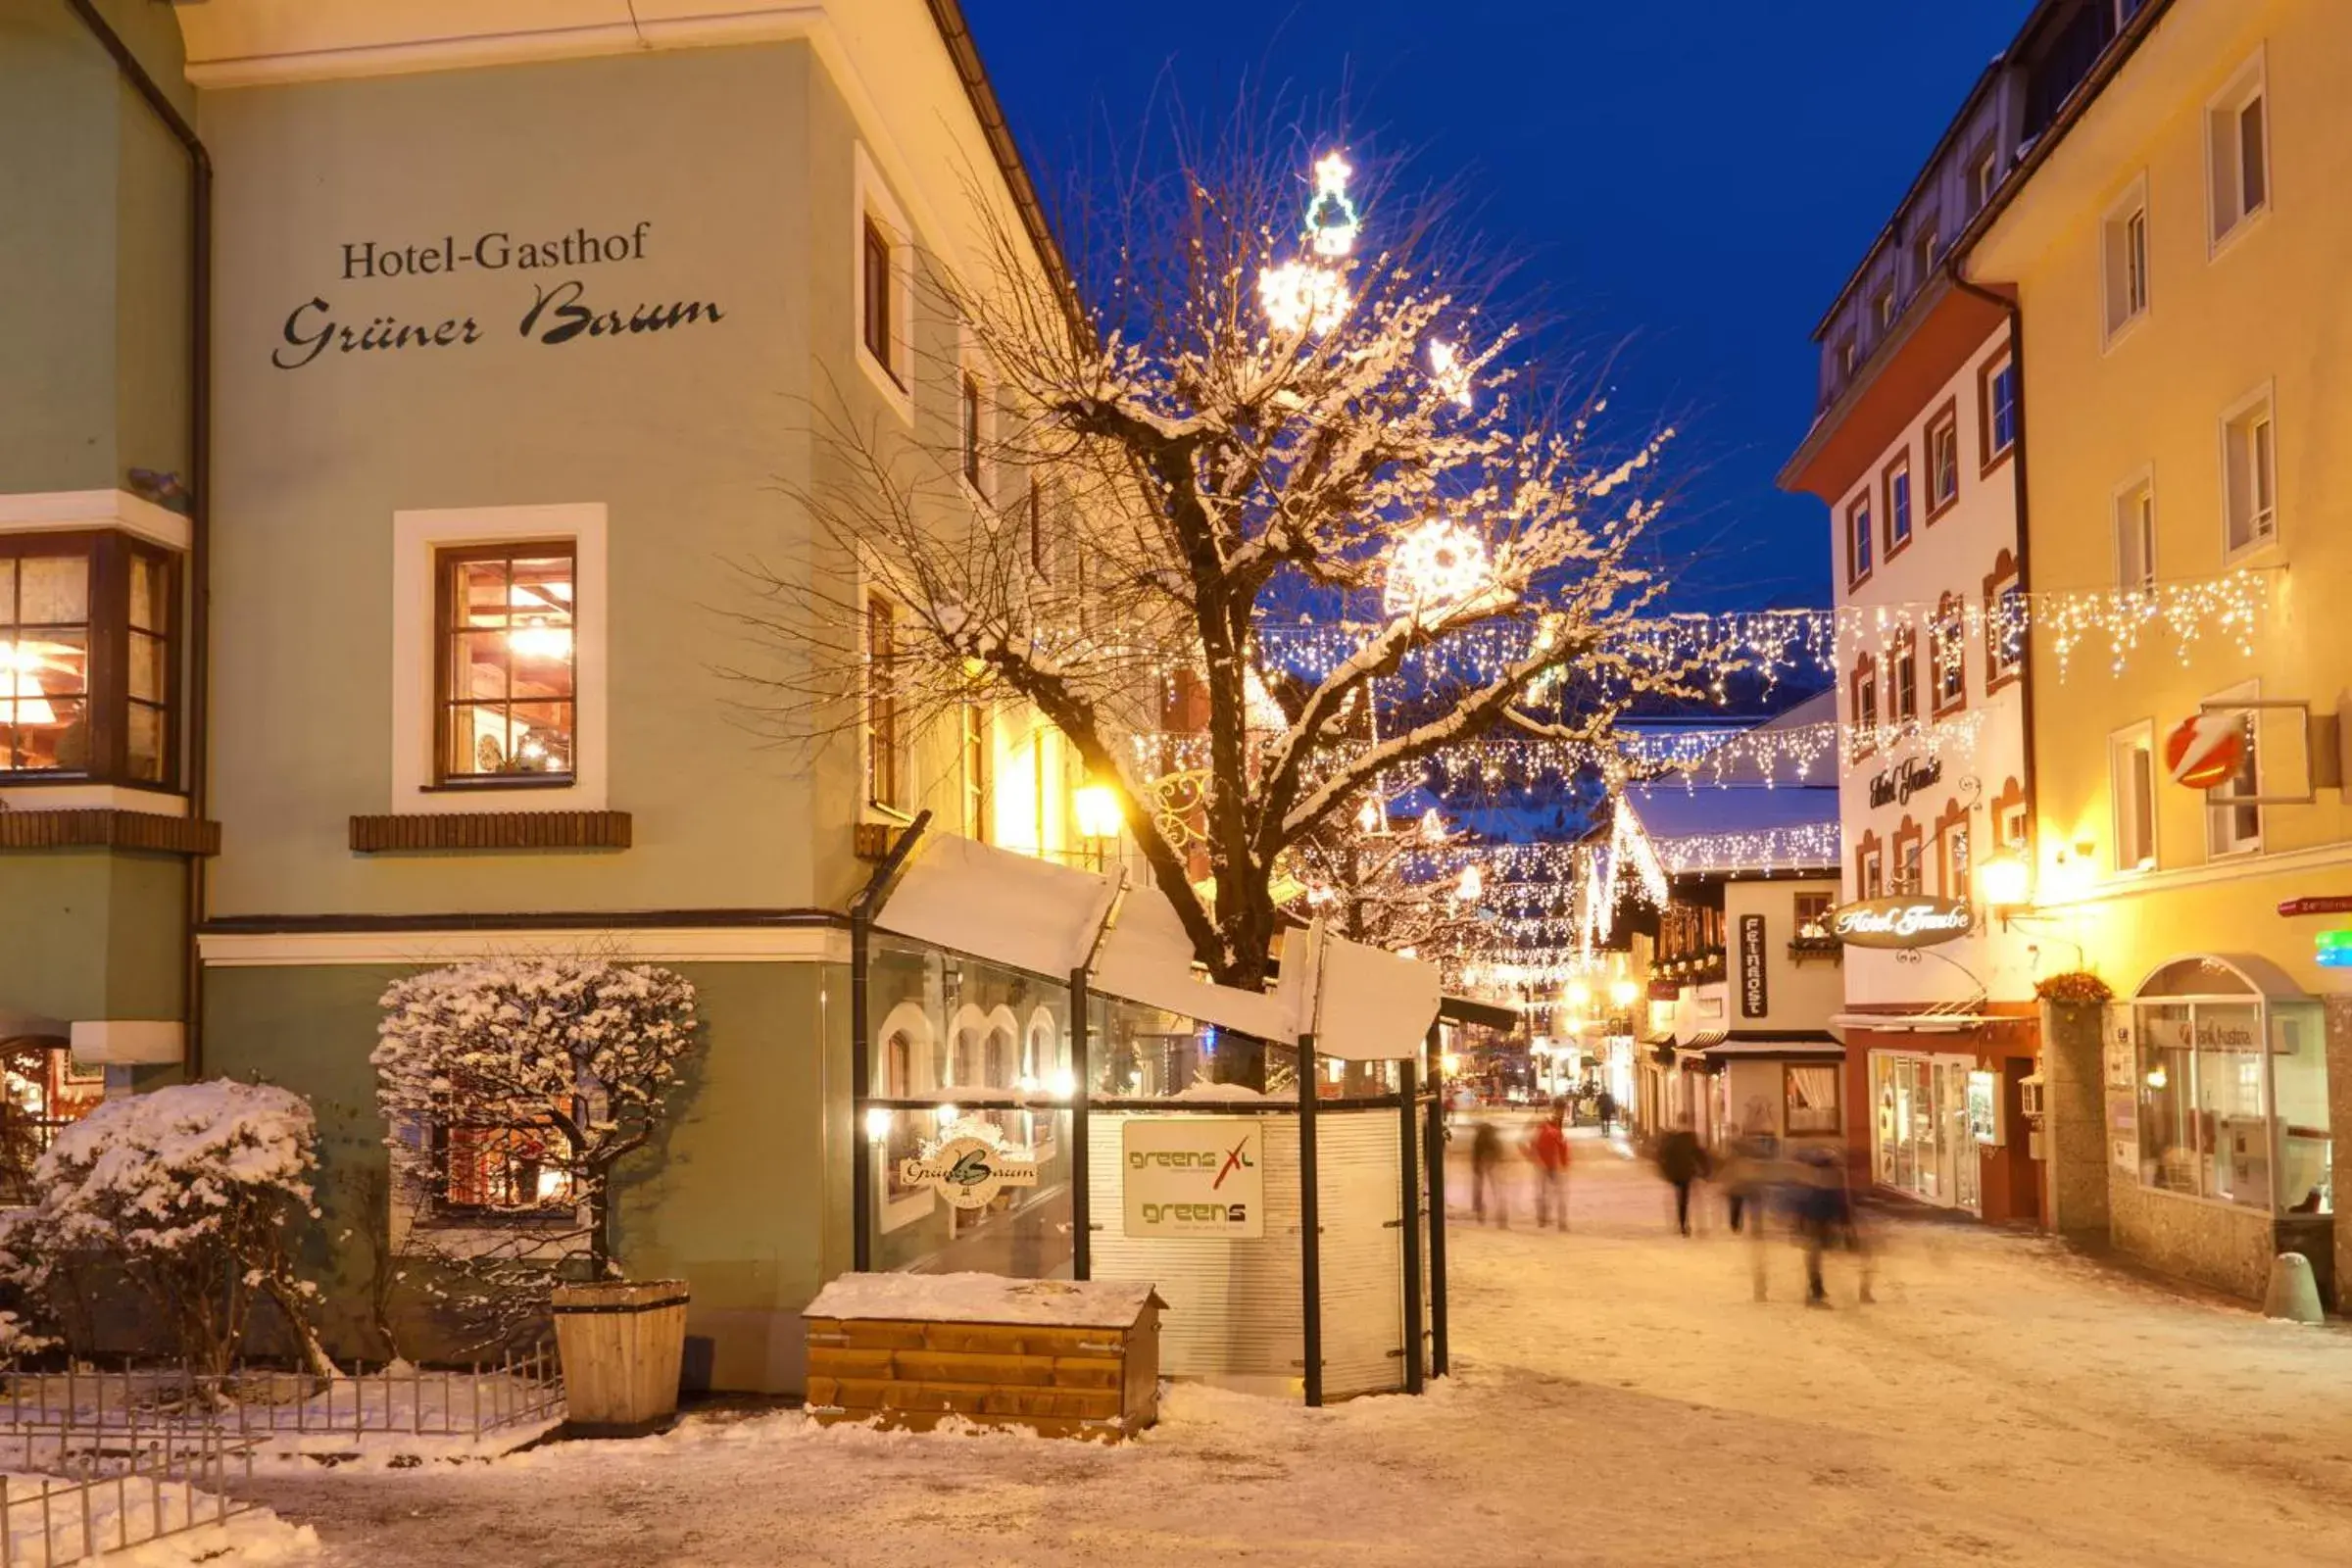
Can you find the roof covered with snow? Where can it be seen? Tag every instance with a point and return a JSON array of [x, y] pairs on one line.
[[1671, 811]]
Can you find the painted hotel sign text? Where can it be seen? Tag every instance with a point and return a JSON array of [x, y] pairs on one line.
[[559, 308]]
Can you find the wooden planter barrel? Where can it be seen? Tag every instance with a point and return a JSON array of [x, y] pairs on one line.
[[1064, 1359], [622, 1341]]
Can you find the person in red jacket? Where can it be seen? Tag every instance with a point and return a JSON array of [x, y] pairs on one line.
[[1547, 1148]]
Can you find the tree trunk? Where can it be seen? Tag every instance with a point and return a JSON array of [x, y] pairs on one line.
[[599, 1223]]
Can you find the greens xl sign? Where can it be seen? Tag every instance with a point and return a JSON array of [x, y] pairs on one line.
[[1185, 1176]]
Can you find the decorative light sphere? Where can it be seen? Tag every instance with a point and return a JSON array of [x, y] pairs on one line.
[[1435, 567]]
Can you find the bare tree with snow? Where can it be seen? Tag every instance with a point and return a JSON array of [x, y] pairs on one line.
[[512, 1087], [1278, 476]]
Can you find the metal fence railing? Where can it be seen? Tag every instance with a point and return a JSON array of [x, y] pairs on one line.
[[476, 1402], [166, 1485]]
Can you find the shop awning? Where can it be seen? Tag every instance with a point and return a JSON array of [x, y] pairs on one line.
[[1364, 1003], [1013, 909], [1770, 1048], [1931, 1023], [1705, 1040]]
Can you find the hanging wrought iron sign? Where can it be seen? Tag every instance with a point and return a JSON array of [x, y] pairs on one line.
[[1901, 920]]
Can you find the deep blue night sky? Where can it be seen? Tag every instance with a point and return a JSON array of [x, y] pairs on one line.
[[1689, 180]]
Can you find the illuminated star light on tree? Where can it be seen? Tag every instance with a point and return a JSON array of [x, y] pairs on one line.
[[1434, 569]]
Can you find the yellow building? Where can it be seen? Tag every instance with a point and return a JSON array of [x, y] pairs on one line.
[[2177, 247]]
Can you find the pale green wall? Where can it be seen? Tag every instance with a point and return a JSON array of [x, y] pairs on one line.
[[91, 934], [745, 1195], [687, 436], [93, 255]]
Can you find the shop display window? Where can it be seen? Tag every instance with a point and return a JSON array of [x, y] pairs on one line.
[[2230, 1093]]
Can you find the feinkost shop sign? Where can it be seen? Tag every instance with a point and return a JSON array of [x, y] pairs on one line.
[[559, 309]]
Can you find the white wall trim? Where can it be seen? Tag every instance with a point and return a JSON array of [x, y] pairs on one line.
[[2237, 868], [92, 798], [378, 40], [62, 510], [416, 535], [128, 1042], [685, 944]]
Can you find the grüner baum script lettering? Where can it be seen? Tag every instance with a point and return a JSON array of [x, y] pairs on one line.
[[558, 313]]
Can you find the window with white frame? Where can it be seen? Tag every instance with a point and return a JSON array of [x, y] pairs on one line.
[[2135, 535], [2237, 151], [1954, 861], [1871, 878], [1943, 460], [1909, 857], [1996, 405], [2237, 829], [2015, 827], [1881, 307], [2005, 626], [1896, 479], [2250, 473], [2131, 789], [1859, 542], [499, 655], [2124, 258], [979, 771], [1902, 676], [884, 274]]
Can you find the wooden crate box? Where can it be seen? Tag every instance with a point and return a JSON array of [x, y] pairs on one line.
[[1064, 1358]]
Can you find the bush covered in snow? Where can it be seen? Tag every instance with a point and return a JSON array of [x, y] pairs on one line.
[[574, 1056], [193, 1192]]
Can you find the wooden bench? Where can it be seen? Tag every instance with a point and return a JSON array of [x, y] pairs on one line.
[[1063, 1358]]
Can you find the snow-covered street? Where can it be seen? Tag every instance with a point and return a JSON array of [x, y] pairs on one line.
[[1620, 1399]]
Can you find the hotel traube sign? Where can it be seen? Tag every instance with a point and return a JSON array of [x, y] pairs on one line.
[[1901, 920]]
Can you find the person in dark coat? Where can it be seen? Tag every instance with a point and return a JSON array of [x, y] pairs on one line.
[[1606, 1105], [1485, 1158], [1682, 1161]]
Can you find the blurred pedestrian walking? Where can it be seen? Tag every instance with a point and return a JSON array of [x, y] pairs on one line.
[[1827, 1219], [1486, 1159], [1682, 1161], [1548, 1150], [1607, 1106]]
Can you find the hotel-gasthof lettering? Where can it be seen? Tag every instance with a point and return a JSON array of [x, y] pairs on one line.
[[386, 619]]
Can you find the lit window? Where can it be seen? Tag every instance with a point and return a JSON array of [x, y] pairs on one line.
[[883, 754], [1811, 1093], [979, 771], [508, 663], [86, 658], [2135, 537], [2238, 152], [2123, 255], [2132, 785], [1944, 461], [40, 1095], [491, 1156]]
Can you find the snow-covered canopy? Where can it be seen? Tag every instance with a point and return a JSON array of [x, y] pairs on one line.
[[1043, 918]]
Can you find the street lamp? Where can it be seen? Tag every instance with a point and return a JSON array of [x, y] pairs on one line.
[[1622, 994], [1097, 809]]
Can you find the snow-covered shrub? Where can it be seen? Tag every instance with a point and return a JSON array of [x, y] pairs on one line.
[[554, 1069], [194, 1192]]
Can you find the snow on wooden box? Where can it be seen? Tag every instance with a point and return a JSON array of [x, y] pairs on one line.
[[1063, 1358]]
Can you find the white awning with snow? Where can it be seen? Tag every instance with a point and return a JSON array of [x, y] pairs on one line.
[[1364, 1003]]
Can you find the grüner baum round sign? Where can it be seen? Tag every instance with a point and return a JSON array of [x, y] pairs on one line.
[[1901, 920]]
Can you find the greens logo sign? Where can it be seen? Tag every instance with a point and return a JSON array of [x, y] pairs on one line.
[[968, 1172], [1190, 1176]]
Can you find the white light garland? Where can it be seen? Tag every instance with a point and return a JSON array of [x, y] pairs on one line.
[[1449, 373]]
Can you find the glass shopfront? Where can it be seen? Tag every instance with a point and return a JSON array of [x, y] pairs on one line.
[[2230, 1090], [1920, 1143]]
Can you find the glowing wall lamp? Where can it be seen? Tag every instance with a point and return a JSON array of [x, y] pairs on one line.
[[2007, 884], [1622, 994]]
